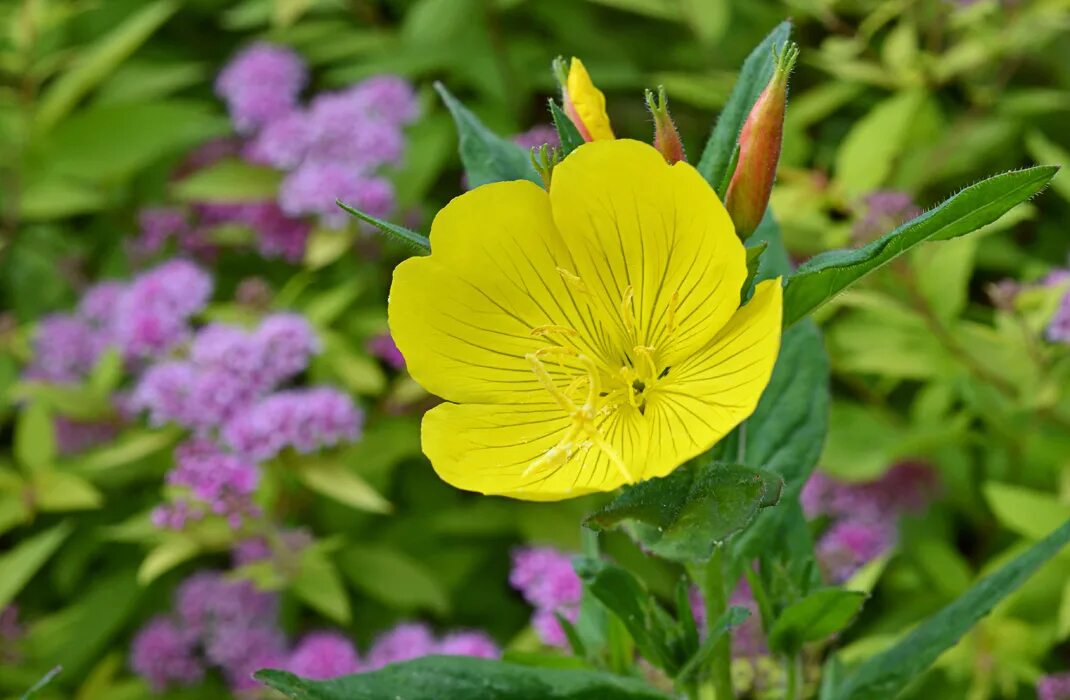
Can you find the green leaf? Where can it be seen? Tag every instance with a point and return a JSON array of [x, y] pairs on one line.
[[77, 635], [131, 447], [628, 599], [1025, 511], [825, 275], [57, 492], [1044, 150], [109, 143], [229, 181], [19, 565], [71, 400], [753, 77], [319, 585], [486, 156], [821, 613], [865, 158], [335, 480], [407, 236], [35, 438], [325, 246], [883, 676], [684, 515], [566, 131], [94, 63], [175, 549], [394, 579], [107, 373], [324, 308], [463, 678]]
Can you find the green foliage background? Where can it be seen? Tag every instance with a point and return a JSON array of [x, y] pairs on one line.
[[100, 100]]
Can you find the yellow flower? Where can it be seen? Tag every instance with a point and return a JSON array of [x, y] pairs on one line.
[[586, 104], [587, 337]]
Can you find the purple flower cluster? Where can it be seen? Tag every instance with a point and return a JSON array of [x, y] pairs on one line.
[[227, 391], [412, 640], [302, 419], [229, 625], [864, 516], [277, 235], [333, 148], [882, 211], [227, 371], [546, 579], [216, 622], [142, 319], [10, 634], [384, 347], [1054, 687], [223, 483], [1058, 330], [261, 84]]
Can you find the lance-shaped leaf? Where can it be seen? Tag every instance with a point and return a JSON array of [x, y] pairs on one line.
[[821, 613], [883, 676], [486, 156], [566, 131], [463, 678], [717, 157], [628, 599], [825, 275], [407, 236], [684, 515], [733, 617]]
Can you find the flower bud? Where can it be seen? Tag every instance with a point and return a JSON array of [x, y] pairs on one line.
[[666, 137], [759, 149], [584, 104]]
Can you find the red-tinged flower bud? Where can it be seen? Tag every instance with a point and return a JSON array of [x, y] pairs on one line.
[[759, 149], [666, 137], [584, 104]]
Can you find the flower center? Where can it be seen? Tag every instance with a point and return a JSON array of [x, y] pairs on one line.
[[603, 390]]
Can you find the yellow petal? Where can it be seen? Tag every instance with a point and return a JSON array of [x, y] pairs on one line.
[[709, 394], [489, 448], [588, 101], [463, 316], [630, 220]]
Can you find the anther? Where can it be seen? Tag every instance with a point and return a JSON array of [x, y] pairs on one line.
[[551, 329], [674, 303], [572, 280]]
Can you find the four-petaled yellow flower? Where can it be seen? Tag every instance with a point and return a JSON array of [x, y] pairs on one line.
[[586, 337]]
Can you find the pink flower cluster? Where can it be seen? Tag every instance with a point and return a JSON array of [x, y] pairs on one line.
[[864, 516], [227, 371], [229, 625], [145, 318], [546, 579], [227, 391], [333, 148], [1054, 687]]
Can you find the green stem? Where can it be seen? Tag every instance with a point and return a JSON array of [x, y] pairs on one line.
[[793, 671], [711, 580]]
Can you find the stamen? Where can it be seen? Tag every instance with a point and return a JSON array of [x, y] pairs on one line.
[[614, 458], [626, 309], [550, 329], [572, 280], [647, 354], [548, 383], [674, 304]]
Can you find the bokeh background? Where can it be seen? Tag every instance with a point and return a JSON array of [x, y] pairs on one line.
[[144, 143]]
